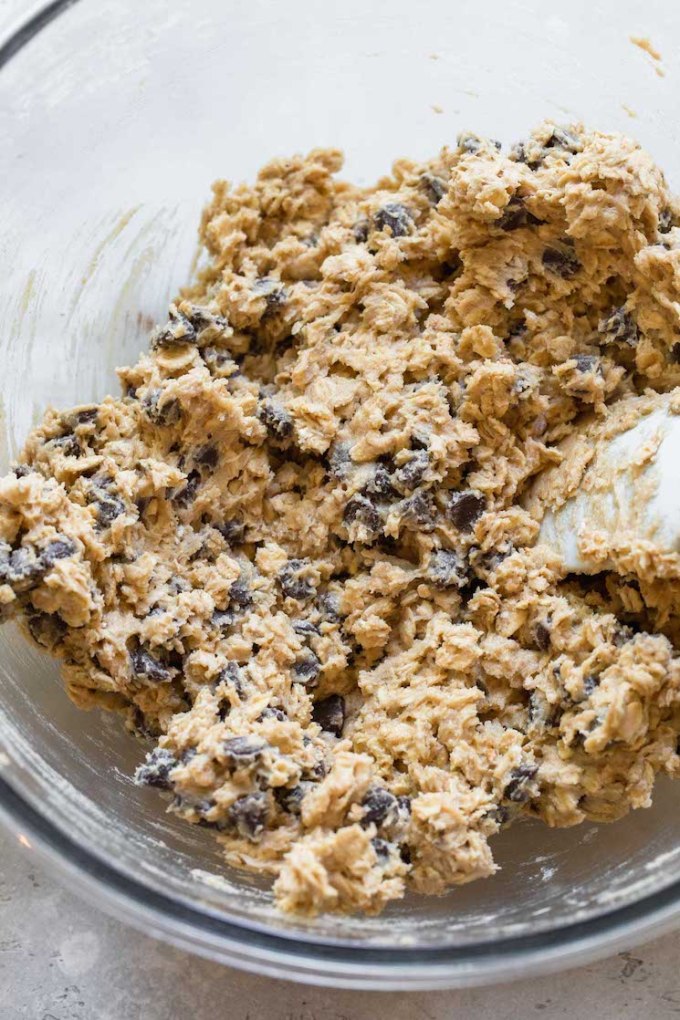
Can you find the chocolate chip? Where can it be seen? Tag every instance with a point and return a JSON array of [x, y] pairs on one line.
[[185, 495], [305, 627], [48, 629], [294, 583], [161, 410], [240, 594], [516, 215], [517, 788], [411, 474], [339, 460], [156, 769], [542, 636], [249, 815], [586, 363], [381, 847], [276, 419], [448, 569], [207, 457], [330, 714], [59, 549], [394, 217], [232, 676], [590, 684], [362, 510], [378, 805], [270, 712], [561, 261], [289, 798], [147, 667], [380, 482], [306, 669], [674, 354], [465, 508], [223, 619], [218, 361], [619, 327], [272, 291], [665, 221], [68, 445], [469, 143], [21, 470], [329, 606], [232, 530], [241, 752], [22, 568], [434, 187], [360, 231], [562, 138], [175, 333], [419, 511], [86, 416]]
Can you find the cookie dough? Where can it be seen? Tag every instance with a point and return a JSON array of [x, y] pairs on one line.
[[297, 553]]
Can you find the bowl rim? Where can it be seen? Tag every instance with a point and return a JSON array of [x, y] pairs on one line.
[[322, 961], [319, 961]]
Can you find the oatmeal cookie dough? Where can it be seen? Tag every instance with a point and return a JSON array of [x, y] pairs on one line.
[[296, 553]]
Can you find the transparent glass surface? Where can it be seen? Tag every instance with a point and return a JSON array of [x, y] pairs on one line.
[[115, 118]]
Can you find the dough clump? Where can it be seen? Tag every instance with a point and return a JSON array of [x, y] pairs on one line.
[[296, 553]]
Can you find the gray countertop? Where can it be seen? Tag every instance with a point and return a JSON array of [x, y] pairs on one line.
[[61, 959]]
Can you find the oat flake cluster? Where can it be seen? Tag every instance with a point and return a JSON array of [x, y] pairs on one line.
[[297, 554]]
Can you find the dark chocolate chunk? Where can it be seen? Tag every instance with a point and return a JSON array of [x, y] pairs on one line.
[[562, 138], [339, 460], [360, 231], [590, 684], [294, 583], [411, 474], [379, 805], [161, 410], [156, 769], [223, 619], [516, 215], [394, 217], [276, 419], [330, 714], [21, 470], [561, 261], [619, 327], [177, 331], [306, 669], [22, 568], [207, 457], [380, 482], [232, 676], [419, 511], [240, 594], [542, 635], [241, 752], [465, 508], [517, 789], [68, 444], [271, 712], [272, 291], [362, 510], [147, 667], [289, 798], [448, 569], [48, 629], [58, 549], [665, 221], [329, 606], [249, 815], [434, 187], [305, 627], [232, 530], [674, 354], [185, 495], [586, 363], [381, 847], [469, 143]]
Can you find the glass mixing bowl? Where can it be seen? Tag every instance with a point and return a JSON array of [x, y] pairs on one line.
[[115, 117]]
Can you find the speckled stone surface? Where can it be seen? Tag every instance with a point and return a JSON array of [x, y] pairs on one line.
[[61, 959]]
